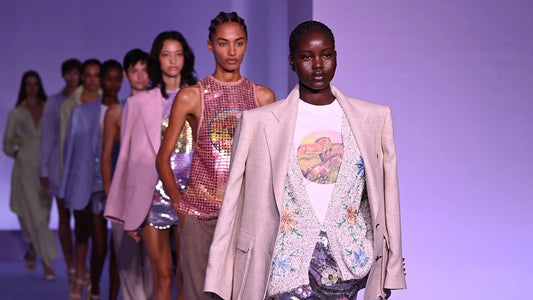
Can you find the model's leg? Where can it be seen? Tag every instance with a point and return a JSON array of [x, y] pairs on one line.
[[65, 237], [82, 230], [158, 245], [196, 237], [114, 279], [98, 251], [179, 273], [131, 264]]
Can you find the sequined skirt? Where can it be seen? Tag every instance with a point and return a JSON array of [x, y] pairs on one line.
[[162, 214], [324, 278]]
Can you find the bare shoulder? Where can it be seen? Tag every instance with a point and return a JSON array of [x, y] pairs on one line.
[[189, 100], [190, 93], [114, 111], [264, 95]]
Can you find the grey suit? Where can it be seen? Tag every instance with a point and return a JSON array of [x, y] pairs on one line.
[[241, 253]]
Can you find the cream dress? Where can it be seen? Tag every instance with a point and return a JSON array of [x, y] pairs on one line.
[[29, 200]]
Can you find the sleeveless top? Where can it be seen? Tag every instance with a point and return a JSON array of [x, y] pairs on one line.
[[162, 214], [222, 105]]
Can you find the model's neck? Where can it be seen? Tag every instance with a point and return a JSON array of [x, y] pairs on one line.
[[32, 101], [89, 96], [109, 100], [172, 83], [226, 76], [322, 97], [68, 90]]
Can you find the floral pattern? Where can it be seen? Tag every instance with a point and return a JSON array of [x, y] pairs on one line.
[[359, 258], [288, 220], [329, 276], [304, 291], [351, 214], [281, 264], [348, 220]]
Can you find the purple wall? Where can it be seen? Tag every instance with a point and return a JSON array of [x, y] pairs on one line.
[[458, 76]]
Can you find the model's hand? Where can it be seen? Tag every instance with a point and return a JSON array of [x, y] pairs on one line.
[[44, 181], [134, 234], [182, 217]]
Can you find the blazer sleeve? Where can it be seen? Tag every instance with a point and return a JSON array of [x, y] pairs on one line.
[[394, 276], [219, 274], [115, 200], [68, 151]]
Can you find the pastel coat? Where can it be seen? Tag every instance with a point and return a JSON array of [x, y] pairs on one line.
[[240, 256], [132, 189], [81, 142]]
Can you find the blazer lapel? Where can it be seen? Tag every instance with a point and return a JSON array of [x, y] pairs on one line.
[[279, 135], [362, 131], [151, 115]]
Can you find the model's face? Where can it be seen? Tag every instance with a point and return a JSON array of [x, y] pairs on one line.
[[91, 78], [314, 61], [171, 58], [138, 76], [72, 77], [111, 82], [31, 85], [229, 44]]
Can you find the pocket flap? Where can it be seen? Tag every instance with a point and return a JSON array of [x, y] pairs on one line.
[[244, 241]]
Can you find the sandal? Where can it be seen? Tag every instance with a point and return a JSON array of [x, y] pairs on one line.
[[76, 295], [29, 257], [71, 272]]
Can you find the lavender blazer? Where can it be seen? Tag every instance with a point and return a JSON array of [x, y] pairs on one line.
[[240, 256], [135, 177]]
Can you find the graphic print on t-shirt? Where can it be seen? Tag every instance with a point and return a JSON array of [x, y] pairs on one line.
[[222, 128], [320, 156]]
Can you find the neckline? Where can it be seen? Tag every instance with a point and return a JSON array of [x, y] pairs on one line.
[[226, 82]]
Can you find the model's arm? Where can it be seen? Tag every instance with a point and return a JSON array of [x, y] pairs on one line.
[[9, 145], [265, 95], [186, 107], [394, 276], [111, 135]]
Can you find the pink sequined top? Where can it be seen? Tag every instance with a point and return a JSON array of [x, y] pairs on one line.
[[222, 105]]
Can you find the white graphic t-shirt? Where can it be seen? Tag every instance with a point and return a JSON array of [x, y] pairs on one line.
[[318, 140]]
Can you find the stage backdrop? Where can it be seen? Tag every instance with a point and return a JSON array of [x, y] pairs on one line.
[[458, 76]]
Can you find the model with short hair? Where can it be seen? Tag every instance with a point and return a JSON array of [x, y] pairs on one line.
[[311, 209]]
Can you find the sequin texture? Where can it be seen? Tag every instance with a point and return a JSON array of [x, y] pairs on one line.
[[162, 214], [222, 105]]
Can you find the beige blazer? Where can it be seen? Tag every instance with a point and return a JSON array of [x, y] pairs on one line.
[[240, 256], [133, 185]]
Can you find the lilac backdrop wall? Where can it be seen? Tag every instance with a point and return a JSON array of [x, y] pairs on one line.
[[458, 76]]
